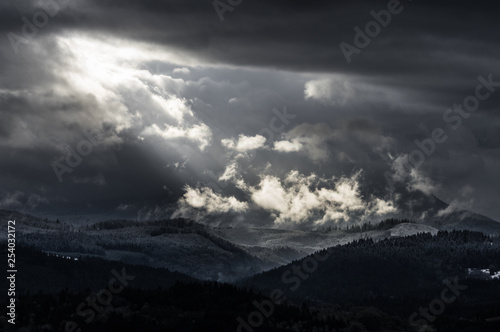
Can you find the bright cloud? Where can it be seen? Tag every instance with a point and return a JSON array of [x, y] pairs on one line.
[[294, 199], [287, 146], [199, 134], [310, 139], [333, 91], [244, 143], [413, 177], [340, 90], [198, 202]]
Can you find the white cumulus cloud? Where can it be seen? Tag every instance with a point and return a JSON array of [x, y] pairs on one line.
[[244, 143]]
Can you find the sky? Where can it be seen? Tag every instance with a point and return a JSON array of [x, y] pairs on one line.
[[261, 113]]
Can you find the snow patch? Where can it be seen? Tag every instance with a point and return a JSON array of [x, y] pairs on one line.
[[407, 229]]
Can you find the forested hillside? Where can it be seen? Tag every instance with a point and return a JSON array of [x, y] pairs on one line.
[[397, 275]]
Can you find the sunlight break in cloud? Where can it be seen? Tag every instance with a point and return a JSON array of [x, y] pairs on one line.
[[129, 96]]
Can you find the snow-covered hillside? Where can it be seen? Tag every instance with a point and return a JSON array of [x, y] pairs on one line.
[[408, 229], [280, 246], [223, 254]]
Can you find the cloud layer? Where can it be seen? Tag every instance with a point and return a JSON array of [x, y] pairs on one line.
[[191, 112]]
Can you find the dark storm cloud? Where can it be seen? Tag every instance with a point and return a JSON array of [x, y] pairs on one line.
[[264, 55], [298, 35], [283, 34]]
